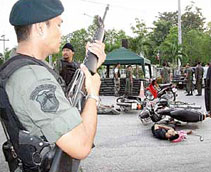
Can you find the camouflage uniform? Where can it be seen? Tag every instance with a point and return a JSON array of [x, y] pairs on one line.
[[189, 80], [129, 82], [165, 74], [199, 75]]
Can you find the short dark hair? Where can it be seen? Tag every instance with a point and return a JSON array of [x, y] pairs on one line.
[[153, 81], [68, 46], [22, 32], [116, 65], [176, 136]]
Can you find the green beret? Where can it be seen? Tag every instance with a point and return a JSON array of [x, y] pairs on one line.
[[27, 12]]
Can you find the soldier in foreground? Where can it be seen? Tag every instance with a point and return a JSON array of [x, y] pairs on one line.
[[40, 103]]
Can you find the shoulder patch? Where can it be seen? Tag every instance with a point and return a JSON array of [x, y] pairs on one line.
[[45, 96]]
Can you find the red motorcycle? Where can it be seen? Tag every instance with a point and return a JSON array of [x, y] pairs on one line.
[[154, 90]]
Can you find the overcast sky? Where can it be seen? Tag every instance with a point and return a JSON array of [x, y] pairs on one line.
[[78, 14]]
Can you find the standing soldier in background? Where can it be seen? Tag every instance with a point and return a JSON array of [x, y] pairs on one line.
[[66, 67], [189, 80], [165, 74], [116, 79], [129, 80], [199, 75]]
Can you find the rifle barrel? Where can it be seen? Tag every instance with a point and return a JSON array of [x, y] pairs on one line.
[[106, 9]]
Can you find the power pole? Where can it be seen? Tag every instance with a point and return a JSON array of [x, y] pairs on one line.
[[4, 40], [179, 34], [179, 24]]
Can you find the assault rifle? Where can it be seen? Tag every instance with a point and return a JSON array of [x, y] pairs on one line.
[[76, 93]]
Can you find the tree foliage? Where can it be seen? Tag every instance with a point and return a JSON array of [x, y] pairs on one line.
[[169, 47], [192, 19], [196, 46], [161, 39], [113, 39], [136, 43]]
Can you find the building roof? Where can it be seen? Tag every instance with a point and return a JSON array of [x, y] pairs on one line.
[[124, 56]]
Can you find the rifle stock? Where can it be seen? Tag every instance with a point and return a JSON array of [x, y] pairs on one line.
[[62, 162]]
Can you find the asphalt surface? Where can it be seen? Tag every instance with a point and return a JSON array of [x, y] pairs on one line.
[[124, 144]]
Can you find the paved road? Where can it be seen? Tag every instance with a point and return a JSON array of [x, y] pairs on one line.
[[123, 144]]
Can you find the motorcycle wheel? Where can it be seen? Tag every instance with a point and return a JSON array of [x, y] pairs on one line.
[[169, 95], [148, 95], [120, 99], [144, 117]]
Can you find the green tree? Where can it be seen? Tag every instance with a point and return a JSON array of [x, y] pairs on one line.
[[79, 40], [162, 26], [6, 55], [205, 47], [192, 42], [192, 18], [137, 43], [208, 29], [169, 47], [158, 35], [113, 39], [171, 17]]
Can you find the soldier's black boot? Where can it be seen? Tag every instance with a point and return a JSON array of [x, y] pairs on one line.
[[189, 94]]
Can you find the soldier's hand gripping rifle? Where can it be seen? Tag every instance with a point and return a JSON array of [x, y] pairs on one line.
[[76, 95], [76, 92]]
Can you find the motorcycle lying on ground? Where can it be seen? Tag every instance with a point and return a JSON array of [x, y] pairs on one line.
[[154, 90], [162, 108], [127, 103], [107, 109]]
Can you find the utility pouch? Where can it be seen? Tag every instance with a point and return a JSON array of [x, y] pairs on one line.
[[10, 156], [34, 155]]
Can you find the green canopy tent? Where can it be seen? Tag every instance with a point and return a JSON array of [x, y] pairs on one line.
[[126, 57]]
